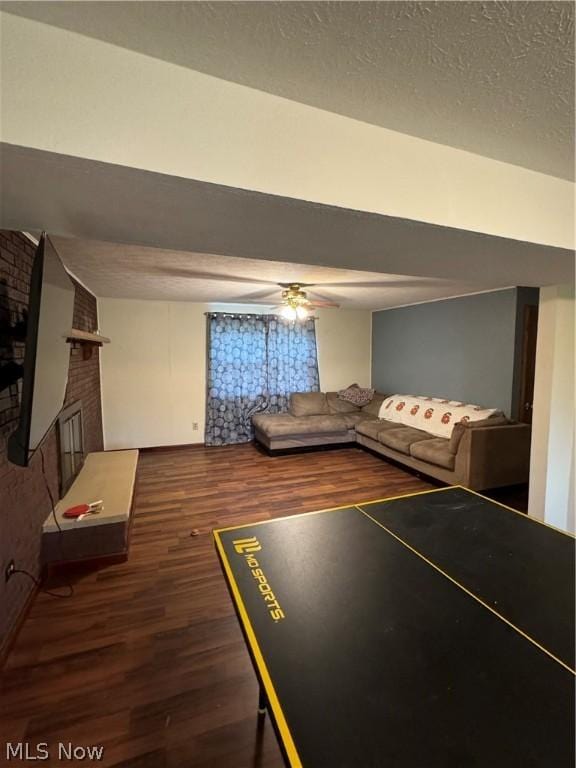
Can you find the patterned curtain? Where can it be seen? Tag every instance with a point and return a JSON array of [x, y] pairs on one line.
[[254, 363], [292, 360]]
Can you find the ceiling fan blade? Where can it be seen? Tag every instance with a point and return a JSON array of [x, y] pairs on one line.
[[409, 283], [321, 304], [177, 272], [247, 300], [260, 295], [316, 296]]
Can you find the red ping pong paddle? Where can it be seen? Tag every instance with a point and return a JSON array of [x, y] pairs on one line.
[[83, 509], [79, 509]]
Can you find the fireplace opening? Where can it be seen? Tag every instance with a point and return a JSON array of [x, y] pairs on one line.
[[71, 444]]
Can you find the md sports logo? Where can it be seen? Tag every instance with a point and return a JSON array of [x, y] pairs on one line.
[[246, 548], [243, 546]]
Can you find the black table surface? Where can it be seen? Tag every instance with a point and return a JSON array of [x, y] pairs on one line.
[[410, 645], [522, 569]]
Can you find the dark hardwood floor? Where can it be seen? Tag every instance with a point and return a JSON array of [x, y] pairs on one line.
[[147, 658]]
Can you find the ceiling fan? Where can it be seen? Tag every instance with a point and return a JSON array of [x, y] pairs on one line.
[[295, 303]]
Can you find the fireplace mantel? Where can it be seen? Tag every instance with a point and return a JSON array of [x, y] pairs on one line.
[[87, 339]]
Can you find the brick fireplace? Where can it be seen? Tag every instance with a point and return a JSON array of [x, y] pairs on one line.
[[24, 502]]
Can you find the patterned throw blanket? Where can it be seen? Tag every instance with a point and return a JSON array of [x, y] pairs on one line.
[[432, 414]]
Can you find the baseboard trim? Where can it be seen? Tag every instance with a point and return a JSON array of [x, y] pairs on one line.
[[153, 448], [18, 624]]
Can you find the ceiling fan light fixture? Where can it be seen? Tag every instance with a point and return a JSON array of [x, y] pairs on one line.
[[301, 312], [288, 312]]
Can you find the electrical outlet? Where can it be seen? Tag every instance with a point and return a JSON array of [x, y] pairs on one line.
[[195, 426], [9, 572]]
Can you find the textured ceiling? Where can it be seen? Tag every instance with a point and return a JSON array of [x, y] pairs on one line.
[[136, 272], [494, 78]]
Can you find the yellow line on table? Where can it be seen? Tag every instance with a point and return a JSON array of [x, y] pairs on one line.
[[468, 592], [352, 505], [273, 701]]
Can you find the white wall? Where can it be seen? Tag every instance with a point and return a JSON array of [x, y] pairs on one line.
[[103, 102], [154, 370], [344, 339], [551, 495]]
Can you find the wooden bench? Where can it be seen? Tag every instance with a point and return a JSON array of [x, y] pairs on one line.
[[109, 476]]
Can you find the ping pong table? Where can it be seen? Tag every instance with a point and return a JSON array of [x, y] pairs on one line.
[[434, 630]]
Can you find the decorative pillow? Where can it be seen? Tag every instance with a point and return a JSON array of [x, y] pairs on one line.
[[432, 414], [308, 404], [356, 395]]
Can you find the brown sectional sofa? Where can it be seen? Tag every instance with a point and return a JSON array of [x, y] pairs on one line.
[[314, 418], [480, 455]]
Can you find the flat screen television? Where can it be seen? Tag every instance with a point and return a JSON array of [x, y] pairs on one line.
[[47, 353]]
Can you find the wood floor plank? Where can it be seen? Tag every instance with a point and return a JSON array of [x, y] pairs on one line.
[[147, 657]]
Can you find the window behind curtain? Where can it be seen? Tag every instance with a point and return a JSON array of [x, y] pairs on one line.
[[254, 363]]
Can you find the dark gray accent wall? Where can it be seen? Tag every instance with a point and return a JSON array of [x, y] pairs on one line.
[[462, 349]]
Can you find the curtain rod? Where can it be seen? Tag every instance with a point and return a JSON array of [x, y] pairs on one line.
[[257, 314]]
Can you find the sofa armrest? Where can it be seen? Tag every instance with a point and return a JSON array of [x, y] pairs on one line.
[[490, 457]]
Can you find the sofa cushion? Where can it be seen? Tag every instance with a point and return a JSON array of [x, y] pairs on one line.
[[352, 419], [493, 421], [279, 424], [401, 438], [436, 451], [373, 407], [336, 405], [308, 404], [260, 420], [373, 427]]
